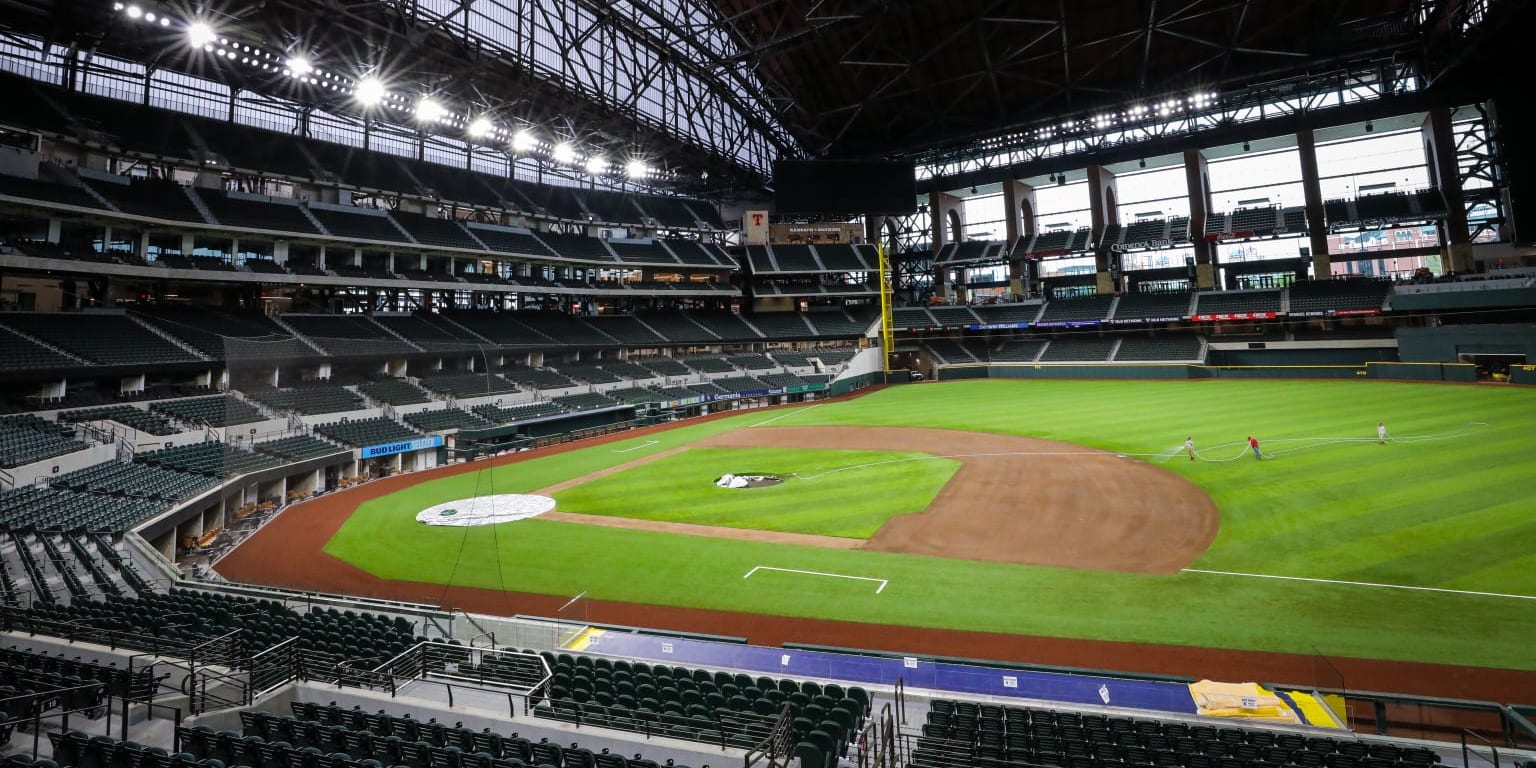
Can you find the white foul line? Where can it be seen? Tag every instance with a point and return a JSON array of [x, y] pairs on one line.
[[784, 415], [645, 444], [757, 568], [1363, 584]]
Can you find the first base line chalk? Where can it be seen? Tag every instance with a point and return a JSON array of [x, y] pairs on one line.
[[878, 590]]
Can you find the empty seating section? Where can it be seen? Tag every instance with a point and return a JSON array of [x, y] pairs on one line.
[[782, 325], [1230, 302], [795, 258], [27, 438], [46, 191], [735, 710], [903, 318], [565, 329], [577, 247], [215, 411], [1175, 347], [634, 252], [507, 414], [1145, 231], [1158, 306], [1018, 351], [1294, 220], [626, 329], [591, 374], [353, 738], [752, 362], [1431, 202], [1058, 241], [227, 336], [19, 354], [1392, 206], [679, 328], [312, 399], [725, 325], [950, 352], [511, 242], [668, 211], [429, 332], [1337, 213], [433, 231], [781, 379], [696, 253], [663, 366], [759, 259], [586, 401], [394, 392], [631, 395], [837, 323], [347, 334], [954, 316], [298, 448], [447, 418], [1008, 313], [365, 432], [155, 198], [1216, 223], [358, 225], [1086, 308], [842, 258], [182, 619], [962, 733], [208, 458], [61, 510], [626, 369], [107, 338], [467, 384], [1077, 350], [1319, 296], [1254, 222], [136, 480], [127, 415], [503, 328], [675, 393], [709, 365], [740, 384], [234, 211]]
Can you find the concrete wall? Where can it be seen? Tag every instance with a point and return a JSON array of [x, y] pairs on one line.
[[1446, 343], [58, 465]]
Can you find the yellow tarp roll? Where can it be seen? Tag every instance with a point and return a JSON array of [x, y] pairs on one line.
[[1240, 700]]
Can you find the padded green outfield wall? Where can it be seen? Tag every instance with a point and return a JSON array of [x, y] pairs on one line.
[[1448, 343]]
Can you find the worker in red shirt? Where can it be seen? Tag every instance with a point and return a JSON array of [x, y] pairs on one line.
[[1254, 444]]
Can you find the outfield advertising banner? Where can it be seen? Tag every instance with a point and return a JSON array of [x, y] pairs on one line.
[[1141, 320], [701, 399], [1233, 316], [996, 326], [405, 446], [1070, 324]]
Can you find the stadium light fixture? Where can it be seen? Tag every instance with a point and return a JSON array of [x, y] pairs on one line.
[[134, 12], [480, 127], [369, 91], [523, 141], [429, 111], [596, 164], [563, 153], [636, 169], [199, 34], [298, 66]]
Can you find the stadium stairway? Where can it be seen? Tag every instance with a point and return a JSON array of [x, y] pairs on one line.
[[188, 348]]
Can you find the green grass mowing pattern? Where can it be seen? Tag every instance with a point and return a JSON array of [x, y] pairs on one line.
[[838, 504], [1447, 513]]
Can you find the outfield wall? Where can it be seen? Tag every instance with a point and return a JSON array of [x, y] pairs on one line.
[[1462, 372]]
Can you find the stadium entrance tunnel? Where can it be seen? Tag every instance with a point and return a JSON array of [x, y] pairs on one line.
[[747, 480]]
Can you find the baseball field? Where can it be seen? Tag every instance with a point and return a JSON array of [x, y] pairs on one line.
[[1055, 509]]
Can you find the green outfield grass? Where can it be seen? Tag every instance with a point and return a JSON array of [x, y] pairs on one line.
[[839, 505], [1445, 507]]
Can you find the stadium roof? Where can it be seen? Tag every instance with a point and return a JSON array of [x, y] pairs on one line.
[[877, 77]]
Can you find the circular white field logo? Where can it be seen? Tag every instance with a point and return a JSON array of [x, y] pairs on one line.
[[486, 510]]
